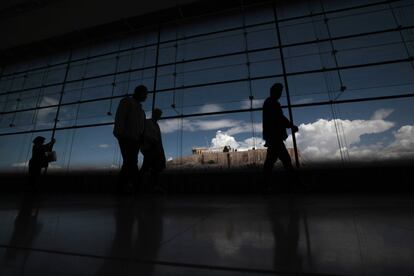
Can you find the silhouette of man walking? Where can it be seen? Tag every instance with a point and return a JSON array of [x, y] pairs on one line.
[[129, 129], [274, 132]]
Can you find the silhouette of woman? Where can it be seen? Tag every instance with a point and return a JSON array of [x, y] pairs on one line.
[[153, 150]]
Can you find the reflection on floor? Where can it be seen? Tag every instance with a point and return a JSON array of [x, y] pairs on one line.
[[206, 235]]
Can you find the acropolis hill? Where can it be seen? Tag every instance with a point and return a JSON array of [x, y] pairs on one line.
[[222, 158]]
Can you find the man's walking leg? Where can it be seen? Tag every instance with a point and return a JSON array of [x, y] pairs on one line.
[[271, 158], [129, 163], [292, 177]]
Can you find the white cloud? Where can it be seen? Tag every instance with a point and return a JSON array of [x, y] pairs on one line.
[[25, 164], [210, 108], [381, 114], [169, 126], [404, 137], [103, 146], [303, 101], [403, 144], [318, 140], [213, 124], [253, 142], [48, 101], [222, 139], [245, 127], [229, 126], [256, 103], [20, 164], [54, 166], [44, 113]]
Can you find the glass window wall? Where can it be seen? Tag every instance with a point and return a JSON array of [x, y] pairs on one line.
[[347, 67]]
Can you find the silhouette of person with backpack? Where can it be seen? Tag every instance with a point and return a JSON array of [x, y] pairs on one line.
[[129, 129], [274, 132]]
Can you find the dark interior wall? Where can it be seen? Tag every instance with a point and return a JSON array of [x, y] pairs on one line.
[[65, 16]]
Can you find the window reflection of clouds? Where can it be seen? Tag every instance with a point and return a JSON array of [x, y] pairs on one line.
[[367, 132]]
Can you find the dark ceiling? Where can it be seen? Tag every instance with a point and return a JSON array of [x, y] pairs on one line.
[[113, 29]]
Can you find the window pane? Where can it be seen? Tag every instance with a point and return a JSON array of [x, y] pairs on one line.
[[370, 131], [303, 30], [309, 57], [206, 24], [204, 46], [316, 140], [45, 118], [208, 132], [362, 20], [87, 149], [288, 9], [18, 149], [370, 49], [5, 121], [204, 99], [49, 95], [5, 84], [84, 114], [100, 66], [55, 75], [265, 63], [35, 78], [403, 11], [261, 36], [381, 80], [314, 87]]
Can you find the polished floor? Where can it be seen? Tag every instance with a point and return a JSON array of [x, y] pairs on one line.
[[282, 234]]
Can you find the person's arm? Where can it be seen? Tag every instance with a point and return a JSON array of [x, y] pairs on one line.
[[266, 119], [289, 124], [158, 133], [286, 122], [49, 146], [152, 130], [141, 121]]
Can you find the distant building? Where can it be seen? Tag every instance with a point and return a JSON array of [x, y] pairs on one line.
[[199, 150]]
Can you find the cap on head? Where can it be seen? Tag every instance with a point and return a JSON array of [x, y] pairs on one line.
[[156, 114], [140, 92], [276, 90], [39, 140]]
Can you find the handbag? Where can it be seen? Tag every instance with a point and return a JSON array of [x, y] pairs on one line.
[[51, 156]]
